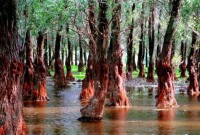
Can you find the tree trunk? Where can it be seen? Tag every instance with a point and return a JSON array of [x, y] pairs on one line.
[[134, 63], [141, 47], [63, 50], [165, 92], [28, 85], [69, 75], [80, 65], [158, 37], [76, 56], [40, 92], [85, 56], [59, 70], [193, 87], [11, 121], [94, 110], [129, 64], [150, 76], [116, 88], [183, 59], [72, 55], [88, 82]]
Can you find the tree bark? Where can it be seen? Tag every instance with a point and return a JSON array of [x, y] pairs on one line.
[[193, 87], [183, 60], [88, 82], [69, 75], [80, 65], [40, 92], [28, 85], [129, 64], [141, 47], [165, 92], [11, 121], [116, 88], [150, 76], [94, 110], [59, 70]]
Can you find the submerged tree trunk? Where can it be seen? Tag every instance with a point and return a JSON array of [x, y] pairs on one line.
[[40, 92], [11, 121], [69, 75], [129, 64], [191, 67], [116, 88], [141, 47], [150, 76], [88, 82], [80, 65], [59, 69], [183, 59], [94, 110], [165, 92], [28, 85]]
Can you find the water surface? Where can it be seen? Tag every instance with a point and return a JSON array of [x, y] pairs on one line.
[[59, 115]]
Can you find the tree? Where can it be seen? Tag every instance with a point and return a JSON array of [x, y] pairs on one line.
[[28, 85], [165, 74], [69, 75], [150, 76], [11, 71], [40, 92], [94, 110], [88, 82], [58, 65], [80, 66], [116, 86], [129, 64], [141, 46], [183, 59], [191, 67]]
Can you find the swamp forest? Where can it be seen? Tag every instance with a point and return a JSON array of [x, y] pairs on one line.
[[99, 67]]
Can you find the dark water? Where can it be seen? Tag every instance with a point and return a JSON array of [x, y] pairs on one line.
[[59, 115]]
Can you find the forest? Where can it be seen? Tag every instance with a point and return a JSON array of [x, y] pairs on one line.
[[99, 67]]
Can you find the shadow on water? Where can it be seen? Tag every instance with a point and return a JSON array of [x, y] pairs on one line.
[[59, 115]]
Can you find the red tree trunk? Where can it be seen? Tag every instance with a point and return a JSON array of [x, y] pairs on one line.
[[11, 121], [80, 65], [165, 74], [183, 58], [69, 75], [150, 76], [116, 88], [40, 92], [141, 47], [59, 70], [88, 82], [28, 85], [94, 110], [193, 87], [129, 64]]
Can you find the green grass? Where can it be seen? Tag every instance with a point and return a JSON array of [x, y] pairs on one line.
[[81, 75]]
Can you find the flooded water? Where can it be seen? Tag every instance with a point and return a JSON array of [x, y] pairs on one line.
[[59, 115]]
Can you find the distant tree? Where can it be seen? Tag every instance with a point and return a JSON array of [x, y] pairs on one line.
[[141, 47]]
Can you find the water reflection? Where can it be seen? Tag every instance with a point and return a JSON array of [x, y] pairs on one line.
[[92, 128], [166, 121]]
